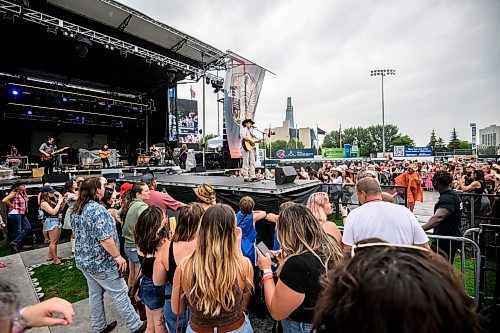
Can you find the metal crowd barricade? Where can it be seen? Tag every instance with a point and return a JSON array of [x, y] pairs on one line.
[[479, 209], [489, 243]]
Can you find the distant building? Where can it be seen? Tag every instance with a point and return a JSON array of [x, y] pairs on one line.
[[288, 131], [489, 136]]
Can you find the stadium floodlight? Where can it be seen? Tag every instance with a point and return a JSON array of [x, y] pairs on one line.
[[382, 73]]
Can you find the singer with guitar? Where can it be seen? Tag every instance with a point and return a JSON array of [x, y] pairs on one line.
[[104, 154], [48, 150], [248, 141]]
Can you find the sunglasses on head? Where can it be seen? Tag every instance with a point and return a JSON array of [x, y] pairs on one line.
[[399, 246]]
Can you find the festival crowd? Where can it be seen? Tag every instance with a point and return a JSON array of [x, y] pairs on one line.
[[203, 271]]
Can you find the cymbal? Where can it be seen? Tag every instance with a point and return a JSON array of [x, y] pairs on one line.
[[140, 149]]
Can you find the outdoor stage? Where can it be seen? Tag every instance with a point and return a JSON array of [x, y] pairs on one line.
[[266, 194]]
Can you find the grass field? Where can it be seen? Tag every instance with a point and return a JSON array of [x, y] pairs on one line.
[[65, 281]]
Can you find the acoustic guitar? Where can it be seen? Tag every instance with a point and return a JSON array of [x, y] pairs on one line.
[[51, 153], [249, 145]]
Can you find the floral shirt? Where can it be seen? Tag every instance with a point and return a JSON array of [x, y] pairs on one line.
[[92, 226]]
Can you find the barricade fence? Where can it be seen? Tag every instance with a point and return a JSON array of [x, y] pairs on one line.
[[479, 209]]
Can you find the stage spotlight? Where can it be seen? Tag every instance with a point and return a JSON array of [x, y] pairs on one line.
[[64, 99], [207, 80], [29, 112], [77, 118], [14, 92]]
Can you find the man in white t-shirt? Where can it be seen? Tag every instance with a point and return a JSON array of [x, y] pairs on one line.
[[247, 137], [376, 218]]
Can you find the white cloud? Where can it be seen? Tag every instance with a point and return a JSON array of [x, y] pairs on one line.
[[446, 54]]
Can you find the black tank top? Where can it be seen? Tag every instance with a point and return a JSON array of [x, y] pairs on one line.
[[147, 266], [481, 189], [172, 265]]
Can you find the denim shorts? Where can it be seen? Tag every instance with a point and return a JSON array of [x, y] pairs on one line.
[[50, 223], [152, 296], [292, 326], [173, 323], [131, 253]]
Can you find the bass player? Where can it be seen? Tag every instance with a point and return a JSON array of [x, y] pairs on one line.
[[248, 141], [47, 150]]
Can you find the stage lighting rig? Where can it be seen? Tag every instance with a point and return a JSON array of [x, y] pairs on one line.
[[82, 46]]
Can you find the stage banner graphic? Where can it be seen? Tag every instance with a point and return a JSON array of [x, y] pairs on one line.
[[285, 154], [241, 93], [187, 118], [333, 152]]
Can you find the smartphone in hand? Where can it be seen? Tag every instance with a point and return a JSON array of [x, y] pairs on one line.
[[265, 250]]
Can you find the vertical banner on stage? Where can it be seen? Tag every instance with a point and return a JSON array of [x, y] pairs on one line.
[[172, 115], [473, 129], [187, 118], [241, 93]]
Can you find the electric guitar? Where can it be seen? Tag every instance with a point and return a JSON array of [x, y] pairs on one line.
[[50, 154], [249, 145]]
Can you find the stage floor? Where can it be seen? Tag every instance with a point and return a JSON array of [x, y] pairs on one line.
[[229, 183]]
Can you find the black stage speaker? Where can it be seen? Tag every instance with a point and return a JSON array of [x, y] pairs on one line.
[[285, 175], [112, 173], [56, 178], [200, 169]]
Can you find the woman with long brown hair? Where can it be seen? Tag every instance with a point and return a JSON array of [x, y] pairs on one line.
[[150, 234], [52, 219], [17, 203], [182, 244], [214, 279], [307, 253], [319, 204]]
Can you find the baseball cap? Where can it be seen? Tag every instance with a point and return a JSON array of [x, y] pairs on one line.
[[47, 189], [148, 178], [125, 188]]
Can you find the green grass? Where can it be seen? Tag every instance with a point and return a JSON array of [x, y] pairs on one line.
[[468, 272], [4, 251], [65, 281]]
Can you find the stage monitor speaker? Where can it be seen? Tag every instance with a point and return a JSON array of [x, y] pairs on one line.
[[37, 172], [200, 169], [112, 173], [56, 178], [285, 175]]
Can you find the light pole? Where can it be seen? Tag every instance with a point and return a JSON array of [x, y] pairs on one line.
[[383, 72]]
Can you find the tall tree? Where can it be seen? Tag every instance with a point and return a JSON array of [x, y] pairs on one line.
[[440, 145], [277, 145], [403, 140], [433, 140], [374, 143], [331, 140], [454, 141]]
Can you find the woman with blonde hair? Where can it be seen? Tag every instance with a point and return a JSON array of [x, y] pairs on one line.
[[52, 220], [319, 204], [307, 253], [214, 279]]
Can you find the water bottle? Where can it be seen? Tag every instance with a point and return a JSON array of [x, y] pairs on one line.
[[34, 239], [135, 172]]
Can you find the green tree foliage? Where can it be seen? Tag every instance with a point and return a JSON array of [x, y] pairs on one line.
[[291, 144], [440, 145], [454, 141], [276, 145], [331, 140], [463, 144], [433, 140], [403, 140], [204, 141]]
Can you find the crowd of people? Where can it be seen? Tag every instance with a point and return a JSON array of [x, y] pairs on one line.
[[199, 272]]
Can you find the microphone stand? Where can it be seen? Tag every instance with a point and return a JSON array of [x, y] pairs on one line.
[[263, 141]]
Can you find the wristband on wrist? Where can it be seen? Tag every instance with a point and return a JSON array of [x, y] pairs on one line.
[[268, 271], [344, 216], [267, 277], [117, 256]]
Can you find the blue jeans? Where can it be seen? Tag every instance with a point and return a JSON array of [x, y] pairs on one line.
[[245, 328], [292, 326], [116, 287], [131, 253], [21, 226], [170, 317]]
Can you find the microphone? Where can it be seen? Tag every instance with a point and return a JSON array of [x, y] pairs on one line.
[[253, 126]]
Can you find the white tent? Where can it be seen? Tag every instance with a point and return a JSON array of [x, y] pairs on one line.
[[215, 142]]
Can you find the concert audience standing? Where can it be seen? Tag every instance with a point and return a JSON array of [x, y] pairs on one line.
[[246, 219], [390, 288], [375, 218], [150, 234], [182, 244], [157, 198], [133, 207], [320, 206], [52, 219], [98, 257], [476, 186], [206, 195], [307, 253], [17, 203], [447, 216], [70, 196], [215, 278]]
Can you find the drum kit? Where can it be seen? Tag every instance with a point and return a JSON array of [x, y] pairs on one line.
[[148, 158]]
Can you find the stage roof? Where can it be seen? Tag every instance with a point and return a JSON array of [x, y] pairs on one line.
[[114, 14]]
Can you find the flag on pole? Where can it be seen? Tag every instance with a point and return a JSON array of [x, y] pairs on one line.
[[320, 131], [193, 94]]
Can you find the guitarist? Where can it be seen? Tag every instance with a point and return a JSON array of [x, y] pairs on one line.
[[47, 149], [248, 155], [104, 154]]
